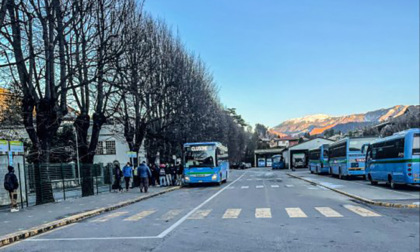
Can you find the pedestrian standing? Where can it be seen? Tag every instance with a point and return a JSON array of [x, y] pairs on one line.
[[168, 174], [173, 174], [156, 175], [162, 175], [127, 172], [144, 172], [152, 177], [180, 173], [11, 185], [117, 176]]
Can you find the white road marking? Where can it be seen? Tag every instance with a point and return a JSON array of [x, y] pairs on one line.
[[259, 186], [231, 187], [108, 217], [232, 213], [140, 215], [328, 212], [361, 211], [289, 185], [275, 186], [263, 213], [200, 214], [180, 221], [249, 179], [170, 214], [295, 212], [312, 188], [244, 187]]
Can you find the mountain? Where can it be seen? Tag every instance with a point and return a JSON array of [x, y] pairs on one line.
[[317, 124]]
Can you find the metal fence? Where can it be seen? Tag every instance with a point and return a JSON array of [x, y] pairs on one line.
[[46, 183]]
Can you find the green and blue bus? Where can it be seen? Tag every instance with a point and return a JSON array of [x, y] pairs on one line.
[[346, 158], [318, 160], [395, 159], [205, 162]]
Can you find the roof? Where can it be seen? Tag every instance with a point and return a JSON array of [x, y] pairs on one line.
[[268, 151], [314, 143], [397, 135]]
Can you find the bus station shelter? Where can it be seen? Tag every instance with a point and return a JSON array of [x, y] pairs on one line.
[[266, 154]]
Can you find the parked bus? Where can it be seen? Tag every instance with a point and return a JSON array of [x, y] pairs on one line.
[[318, 160], [395, 159], [278, 162], [346, 158], [206, 162], [261, 162]]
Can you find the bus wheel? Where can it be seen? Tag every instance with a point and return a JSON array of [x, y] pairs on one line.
[[371, 181], [392, 183], [340, 176]]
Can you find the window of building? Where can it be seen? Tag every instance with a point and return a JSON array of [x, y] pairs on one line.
[[100, 148], [110, 147]]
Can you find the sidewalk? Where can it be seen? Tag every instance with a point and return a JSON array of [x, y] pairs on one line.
[[34, 216], [362, 190]]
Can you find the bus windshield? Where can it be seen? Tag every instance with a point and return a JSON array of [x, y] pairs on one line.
[[200, 156], [276, 159]]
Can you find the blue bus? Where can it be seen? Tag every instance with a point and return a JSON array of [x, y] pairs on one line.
[[395, 159], [346, 158], [318, 160], [206, 162], [278, 162]]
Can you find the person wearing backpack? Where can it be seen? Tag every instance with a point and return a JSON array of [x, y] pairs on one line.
[[11, 184]]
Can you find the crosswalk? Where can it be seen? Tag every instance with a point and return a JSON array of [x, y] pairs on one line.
[[259, 186], [235, 213]]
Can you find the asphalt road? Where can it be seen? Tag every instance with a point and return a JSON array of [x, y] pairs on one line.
[[257, 210]]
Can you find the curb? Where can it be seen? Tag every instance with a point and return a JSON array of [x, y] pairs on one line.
[[24, 234], [368, 201]]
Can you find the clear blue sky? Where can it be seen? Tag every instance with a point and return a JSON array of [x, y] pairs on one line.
[[279, 59]]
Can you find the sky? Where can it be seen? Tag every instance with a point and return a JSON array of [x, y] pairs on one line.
[[279, 59]]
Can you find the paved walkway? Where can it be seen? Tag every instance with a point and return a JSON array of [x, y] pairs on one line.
[[38, 215], [362, 188]]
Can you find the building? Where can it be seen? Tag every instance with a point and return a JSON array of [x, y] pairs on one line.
[[283, 142], [302, 149]]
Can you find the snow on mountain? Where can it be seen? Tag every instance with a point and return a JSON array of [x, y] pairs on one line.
[[317, 124]]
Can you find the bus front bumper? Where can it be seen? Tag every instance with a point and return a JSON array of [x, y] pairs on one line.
[[356, 171], [212, 178]]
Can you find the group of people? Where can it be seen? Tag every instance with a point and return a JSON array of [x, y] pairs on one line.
[[143, 175]]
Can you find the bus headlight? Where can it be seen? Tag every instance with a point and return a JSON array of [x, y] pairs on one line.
[[214, 177], [187, 178]]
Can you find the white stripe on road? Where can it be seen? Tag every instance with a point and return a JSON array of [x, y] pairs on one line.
[[231, 187], [108, 217], [180, 221], [295, 212], [232, 213], [289, 185], [263, 213], [200, 214], [361, 211], [275, 186], [170, 214], [140, 215], [244, 187], [328, 212], [259, 186]]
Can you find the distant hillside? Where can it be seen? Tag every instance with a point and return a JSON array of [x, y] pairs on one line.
[[317, 124]]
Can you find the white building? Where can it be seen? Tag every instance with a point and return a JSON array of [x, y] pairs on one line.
[[303, 148]]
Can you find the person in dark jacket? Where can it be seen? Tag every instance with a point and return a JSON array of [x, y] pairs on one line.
[[156, 175], [180, 173], [144, 173], [173, 174], [11, 184], [117, 177], [168, 174]]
